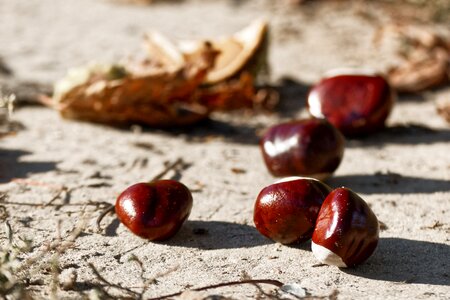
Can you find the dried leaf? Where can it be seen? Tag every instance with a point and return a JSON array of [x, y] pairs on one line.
[[443, 106], [425, 57], [143, 93], [172, 87]]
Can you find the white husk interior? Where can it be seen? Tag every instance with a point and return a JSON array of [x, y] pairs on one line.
[[326, 256]]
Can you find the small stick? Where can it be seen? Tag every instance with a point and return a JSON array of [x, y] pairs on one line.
[[58, 195], [168, 167], [110, 284], [230, 283], [52, 204], [29, 182], [106, 211]]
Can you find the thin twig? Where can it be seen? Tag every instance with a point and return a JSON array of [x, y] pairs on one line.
[[261, 292], [231, 283], [91, 203], [106, 211], [140, 264], [168, 168], [110, 284], [3, 213], [63, 189], [28, 182], [153, 280], [60, 246]]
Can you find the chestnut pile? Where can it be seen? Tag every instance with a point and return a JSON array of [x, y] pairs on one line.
[[343, 228]]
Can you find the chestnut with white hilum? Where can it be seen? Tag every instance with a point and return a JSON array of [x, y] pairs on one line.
[[346, 232], [357, 102]]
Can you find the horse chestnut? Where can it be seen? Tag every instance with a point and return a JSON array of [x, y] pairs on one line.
[[309, 147], [154, 210], [346, 232], [356, 104], [286, 211]]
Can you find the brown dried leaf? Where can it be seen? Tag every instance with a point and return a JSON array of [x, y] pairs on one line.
[[425, 57], [443, 107], [145, 94], [416, 75], [168, 89]]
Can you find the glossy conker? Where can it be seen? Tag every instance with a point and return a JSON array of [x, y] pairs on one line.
[[286, 211], [309, 147], [346, 232], [356, 104], [154, 210]]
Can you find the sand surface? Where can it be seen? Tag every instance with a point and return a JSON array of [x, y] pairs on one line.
[[62, 172]]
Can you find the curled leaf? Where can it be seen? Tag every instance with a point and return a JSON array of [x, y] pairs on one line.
[[172, 87], [443, 106], [424, 57]]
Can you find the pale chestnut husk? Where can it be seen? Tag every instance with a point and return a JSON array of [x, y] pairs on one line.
[[171, 88], [425, 57], [426, 69], [144, 93], [245, 51]]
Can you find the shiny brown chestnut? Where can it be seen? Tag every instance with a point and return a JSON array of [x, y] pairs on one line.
[[357, 104], [346, 232], [308, 147], [286, 211], [154, 210]]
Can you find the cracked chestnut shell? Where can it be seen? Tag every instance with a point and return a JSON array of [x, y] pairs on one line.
[[286, 211], [346, 232], [309, 147], [356, 104], [154, 210]]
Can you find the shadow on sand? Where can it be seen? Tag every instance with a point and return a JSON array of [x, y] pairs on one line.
[[389, 183], [210, 235], [408, 261], [11, 166]]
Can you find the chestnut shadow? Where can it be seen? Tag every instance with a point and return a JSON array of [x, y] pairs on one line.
[[232, 126], [408, 261], [111, 228], [305, 246], [229, 131], [293, 95], [389, 183], [11, 167], [406, 134], [212, 235]]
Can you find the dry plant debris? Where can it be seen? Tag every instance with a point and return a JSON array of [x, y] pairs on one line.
[[177, 84], [19, 260], [443, 106], [7, 126], [424, 53]]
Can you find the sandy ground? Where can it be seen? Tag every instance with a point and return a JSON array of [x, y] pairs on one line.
[[402, 172]]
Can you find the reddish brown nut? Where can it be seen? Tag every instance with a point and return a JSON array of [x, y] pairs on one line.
[[154, 210], [346, 232], [286, 211], [310, 147], [356, 104]]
